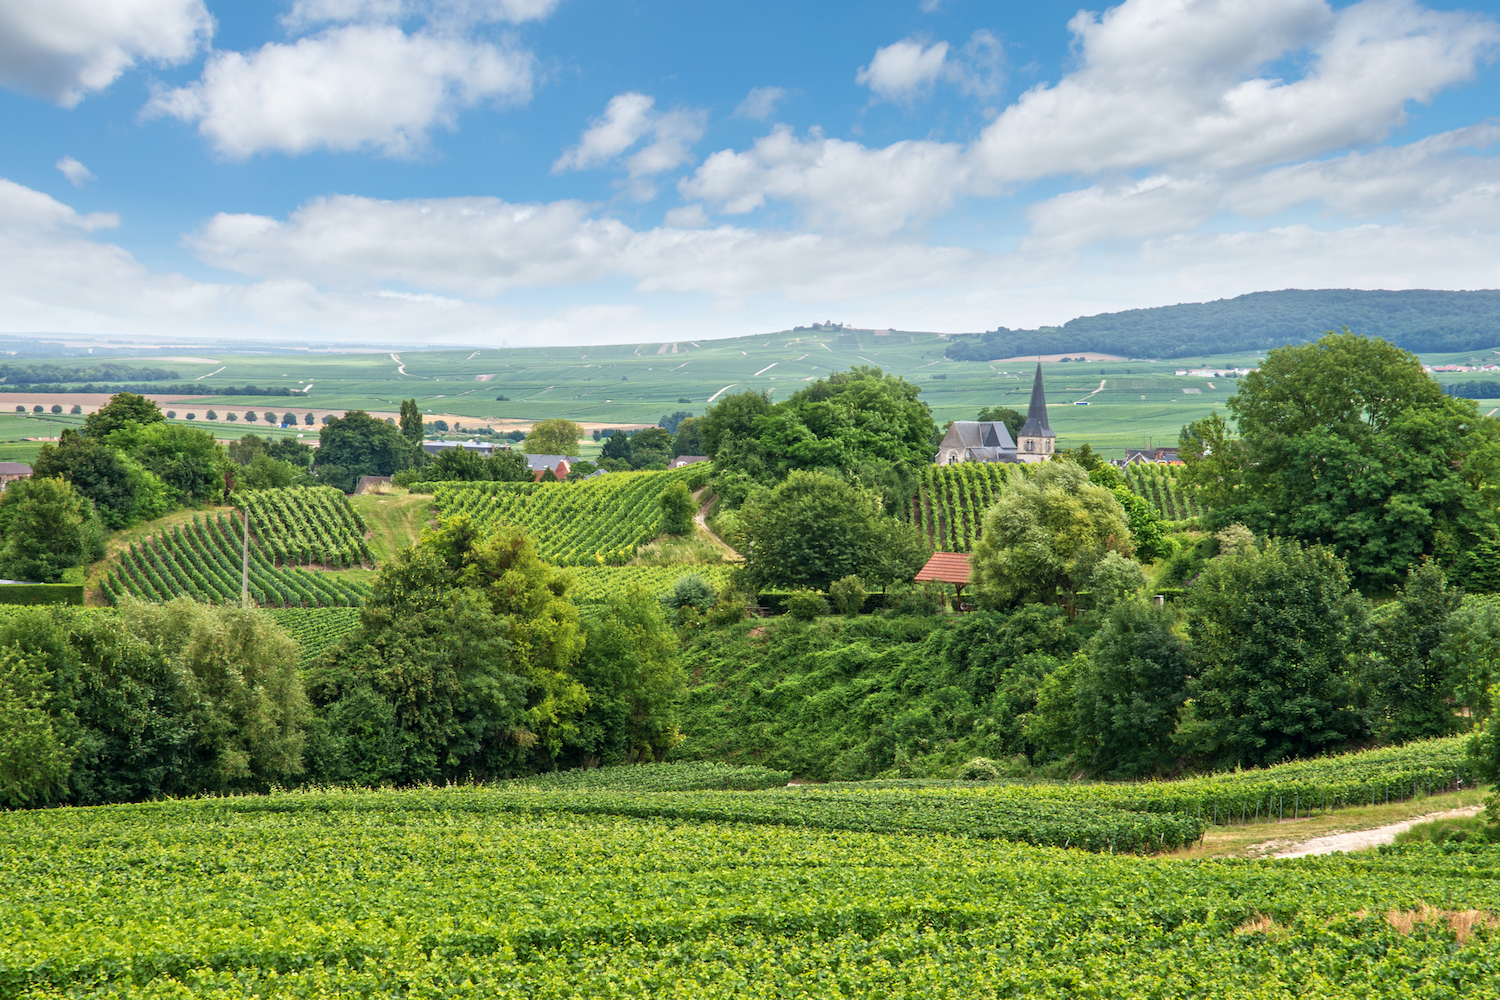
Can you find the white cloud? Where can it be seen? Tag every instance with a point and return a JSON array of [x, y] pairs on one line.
[[903, 71], [453, 13], [627, 119], [760, 103], [1180, 84], [76, 173], [64, 49], [347, 88], [838, 184], [687, 217]]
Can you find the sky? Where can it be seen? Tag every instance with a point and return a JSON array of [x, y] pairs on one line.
[[537, 172]]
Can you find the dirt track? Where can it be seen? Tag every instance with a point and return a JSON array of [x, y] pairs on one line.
[[1360, 840]]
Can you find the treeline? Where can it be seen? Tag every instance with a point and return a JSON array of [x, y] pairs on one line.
[[41, 374], [469, 662], [1488, 389], [1417, 320], [189, 389]]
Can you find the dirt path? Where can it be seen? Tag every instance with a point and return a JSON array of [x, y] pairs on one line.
[[701, 518], [1360, 840]]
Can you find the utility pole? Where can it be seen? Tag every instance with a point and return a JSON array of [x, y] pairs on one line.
[[245, 561]]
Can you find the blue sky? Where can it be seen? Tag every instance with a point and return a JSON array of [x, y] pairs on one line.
[[579, 171]]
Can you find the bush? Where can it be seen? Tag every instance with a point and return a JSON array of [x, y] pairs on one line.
[[979, 769], [805, 605], [917, 601], [691, 590], [678, 508], [848, 595]]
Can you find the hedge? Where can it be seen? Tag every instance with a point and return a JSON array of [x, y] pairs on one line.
[[41, 593]]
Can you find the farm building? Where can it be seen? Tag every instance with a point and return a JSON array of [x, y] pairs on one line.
[[541, 463], [11, 471]]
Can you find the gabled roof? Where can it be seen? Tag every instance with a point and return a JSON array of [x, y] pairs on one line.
[[1036, 413], [982, 434], [14, 469], [945, 567], [541, 463]]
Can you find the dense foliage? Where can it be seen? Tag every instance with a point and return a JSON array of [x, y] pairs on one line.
[[1349, 443], [358, 444], [307, 525], [46, 528], [1417, 320]]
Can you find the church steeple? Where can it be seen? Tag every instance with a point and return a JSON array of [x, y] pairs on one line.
[[1034, 443]]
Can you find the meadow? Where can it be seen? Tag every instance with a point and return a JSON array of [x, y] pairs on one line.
[[657, 881], [1131, 402]]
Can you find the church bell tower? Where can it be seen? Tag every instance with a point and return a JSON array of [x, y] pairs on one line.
[[1036, 440]]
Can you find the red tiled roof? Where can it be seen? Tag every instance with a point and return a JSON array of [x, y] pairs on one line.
[[945, 567]]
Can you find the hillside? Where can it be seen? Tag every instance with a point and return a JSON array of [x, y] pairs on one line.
[[1418, 320]]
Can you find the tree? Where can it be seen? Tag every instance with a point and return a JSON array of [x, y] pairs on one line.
[[34, 757], [292, 451], [188, 461], [688, 440], [671, 423], [46, 527], [123, 492], [677, 508], [629, 666], [861, 415], [553, 437], [1013, 420], [240, 681], [1044, 537], [616, 447], [411, 422], [123, 408], [307, 420], [1410, 684], [730, 423], [1129, 690], [471, 642], [267, 473], [360, 445], [1274, 631], [815, 528], [652, 446], [1348, 443]]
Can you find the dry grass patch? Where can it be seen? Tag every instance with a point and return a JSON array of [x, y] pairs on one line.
[[1462, 923]]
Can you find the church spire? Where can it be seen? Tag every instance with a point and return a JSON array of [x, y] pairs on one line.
[[1036, 413]]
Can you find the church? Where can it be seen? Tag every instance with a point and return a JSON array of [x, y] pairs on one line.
[[990, 440]]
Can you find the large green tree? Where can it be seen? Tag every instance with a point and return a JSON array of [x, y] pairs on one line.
[[1275, 632], [815, 528], [1043, 539], [1411, 686], [189, 461], [553, 437], [46, 527], [124, 492], [358, 444], [1348, 443], [123, 408], [470, 642], [411, 423], [629, 665]]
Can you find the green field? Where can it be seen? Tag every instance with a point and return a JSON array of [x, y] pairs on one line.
[[631, 883], [1141, 402]]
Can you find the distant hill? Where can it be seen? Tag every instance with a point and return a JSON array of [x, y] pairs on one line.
[[1417, 320]]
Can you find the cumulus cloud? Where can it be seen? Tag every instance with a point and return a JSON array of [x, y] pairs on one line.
[[348, 88], [77, 174], [838, 184], [64, 49], [903, 71], [628, 119], [760, 103]]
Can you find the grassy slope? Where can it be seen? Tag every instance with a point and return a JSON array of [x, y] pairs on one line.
[[395, 520]]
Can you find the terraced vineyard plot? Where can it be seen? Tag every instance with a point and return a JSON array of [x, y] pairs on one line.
[[202, 560], [595, 583], [595, 522], [315, 629], [950, 504], [1158, 484], [309, 524]]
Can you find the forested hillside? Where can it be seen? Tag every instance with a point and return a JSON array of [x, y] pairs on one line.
[[1418, 320]]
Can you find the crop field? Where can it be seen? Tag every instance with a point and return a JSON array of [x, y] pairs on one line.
[[315, 629], [656, 881], [203, 559], [595, 583], [595, 522], [1158, 484], [308, 525], [952, 499]]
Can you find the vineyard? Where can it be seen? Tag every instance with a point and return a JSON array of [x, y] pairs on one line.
[[1158, 484], [316, 629], [308, 525], [657, 881], [952, 499], [202, 560], [595, 583], [595, 522]]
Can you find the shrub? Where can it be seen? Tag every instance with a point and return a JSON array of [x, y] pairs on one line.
[[920, 602], [691, 590], [848, 595], [979, 769], [805, 605], [678, 508]]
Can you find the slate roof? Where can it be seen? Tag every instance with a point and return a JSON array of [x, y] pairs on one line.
[[1036, 413], [14, 469]]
